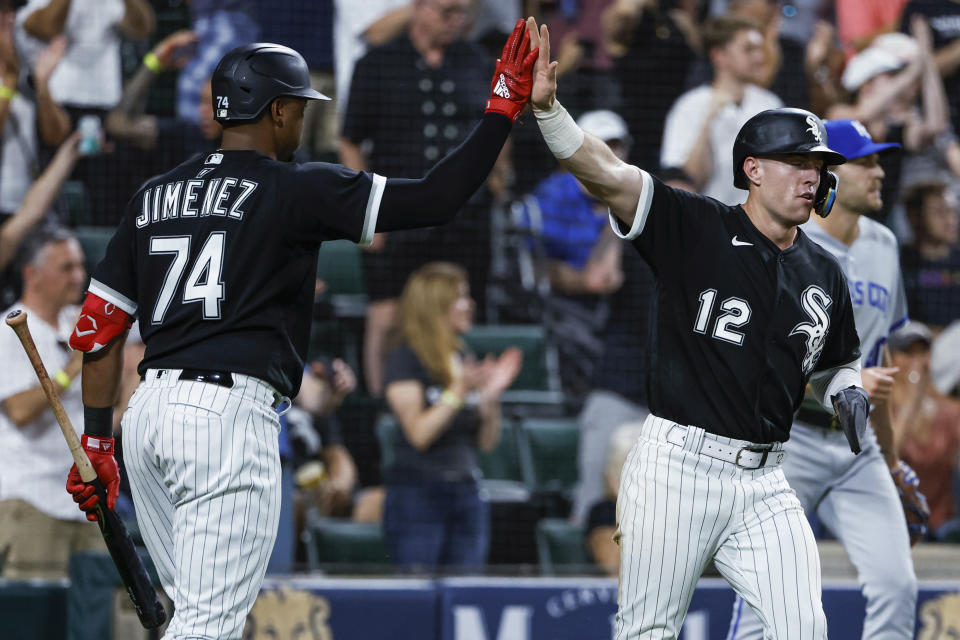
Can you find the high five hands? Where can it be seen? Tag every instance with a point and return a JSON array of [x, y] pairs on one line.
[[512, 79], [522, 76]]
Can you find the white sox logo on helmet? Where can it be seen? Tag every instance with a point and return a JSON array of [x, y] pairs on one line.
[[814, 129], [815, 303]]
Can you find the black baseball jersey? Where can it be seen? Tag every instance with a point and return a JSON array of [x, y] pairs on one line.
[[218, 260], [740, 325]]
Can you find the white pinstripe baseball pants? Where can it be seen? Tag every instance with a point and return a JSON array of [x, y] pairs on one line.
[[205, 475], [677, 510]]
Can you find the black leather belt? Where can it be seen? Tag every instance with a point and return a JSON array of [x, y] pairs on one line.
[[219, 378], [820, 419]]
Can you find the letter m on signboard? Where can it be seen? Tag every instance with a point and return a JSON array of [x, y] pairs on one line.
[[514, 624]]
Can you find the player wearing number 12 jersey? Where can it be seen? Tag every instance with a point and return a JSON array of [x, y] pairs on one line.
[[217, 260], [749, 310]]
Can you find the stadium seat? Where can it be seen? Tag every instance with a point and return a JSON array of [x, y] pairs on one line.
[[560, 547], [508, 461], [334, 543], [538, 380], [553, 444], [340, 266], [94, 241], [73, 196]]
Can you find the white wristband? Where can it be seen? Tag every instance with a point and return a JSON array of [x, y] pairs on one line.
[[561, 133]]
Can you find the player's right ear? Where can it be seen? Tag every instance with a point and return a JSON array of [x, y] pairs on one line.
[[276, 112], [753, 169]]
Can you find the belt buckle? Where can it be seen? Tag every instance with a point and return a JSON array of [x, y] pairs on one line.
[[763, 458]]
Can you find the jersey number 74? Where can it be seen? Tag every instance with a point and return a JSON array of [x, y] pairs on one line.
[[203, 283]]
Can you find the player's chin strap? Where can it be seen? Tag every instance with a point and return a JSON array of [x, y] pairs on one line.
[[826, 193]]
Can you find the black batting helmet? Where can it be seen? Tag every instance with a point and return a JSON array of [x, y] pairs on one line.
[[781, 131], [250, 77]]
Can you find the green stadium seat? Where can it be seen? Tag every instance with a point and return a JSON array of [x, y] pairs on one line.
[[74, 196], [340, 266], [94, 241], [538, 380], [553, 444], [334, 543], [561, 547], [508, 460]]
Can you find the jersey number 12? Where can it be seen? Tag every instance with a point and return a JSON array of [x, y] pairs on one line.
[[203, 283], [737, 314]]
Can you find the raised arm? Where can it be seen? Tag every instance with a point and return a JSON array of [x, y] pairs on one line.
[[53, 122], [48, 22], [934, 118], [38, 199], [605, 176], [127, 120], [874, 106]]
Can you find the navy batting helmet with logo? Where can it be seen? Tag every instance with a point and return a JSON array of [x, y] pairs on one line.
[[250, 77], [787, 131]]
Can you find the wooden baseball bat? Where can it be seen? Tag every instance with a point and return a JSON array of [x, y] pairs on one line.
[[125, 557]]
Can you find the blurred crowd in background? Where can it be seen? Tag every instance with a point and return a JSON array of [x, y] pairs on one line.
[[540, 315]]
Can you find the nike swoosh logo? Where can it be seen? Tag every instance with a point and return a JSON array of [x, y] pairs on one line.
[[80, 334], [740, 243]]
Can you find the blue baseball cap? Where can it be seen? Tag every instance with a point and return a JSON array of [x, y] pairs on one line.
[[852, 139]]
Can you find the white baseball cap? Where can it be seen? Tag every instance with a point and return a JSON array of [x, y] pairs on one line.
[[904, 47], [868, 64], [604, 124]]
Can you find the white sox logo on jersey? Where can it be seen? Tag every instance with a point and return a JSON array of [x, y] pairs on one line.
[[815, 303]]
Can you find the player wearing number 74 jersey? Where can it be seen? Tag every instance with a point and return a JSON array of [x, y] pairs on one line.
[[749, 311], [217, 258]]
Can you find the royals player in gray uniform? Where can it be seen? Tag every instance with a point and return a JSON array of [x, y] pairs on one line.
[[854, 495]]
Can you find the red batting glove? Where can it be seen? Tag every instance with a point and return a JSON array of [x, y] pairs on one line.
[[513, 77], [100, 452]]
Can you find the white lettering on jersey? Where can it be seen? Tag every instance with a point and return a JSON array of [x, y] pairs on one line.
[[144, 218], [208, 196], [157, 199], [248, 188], [189, 198], [815, 303], [222, 196], [171, 200], [180, 199]]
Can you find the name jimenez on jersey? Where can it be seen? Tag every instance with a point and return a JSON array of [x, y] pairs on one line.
[[194, 198]]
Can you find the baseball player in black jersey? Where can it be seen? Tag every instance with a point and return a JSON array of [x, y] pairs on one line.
[[749, 310], [216, 259]]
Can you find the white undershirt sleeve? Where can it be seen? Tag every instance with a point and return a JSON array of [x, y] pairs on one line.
[[828, 382], [640, 215]]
